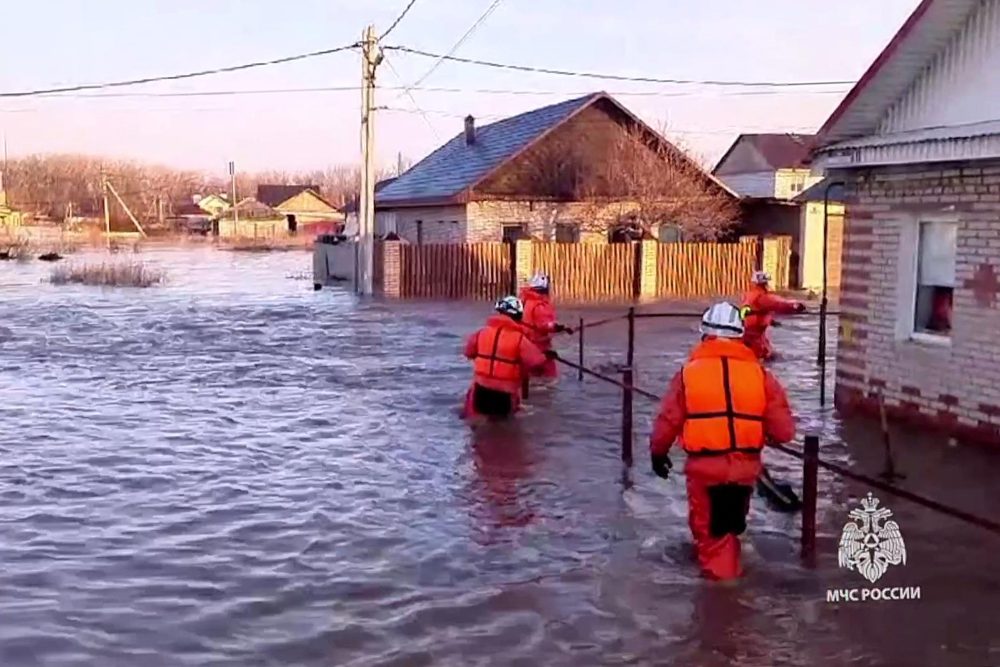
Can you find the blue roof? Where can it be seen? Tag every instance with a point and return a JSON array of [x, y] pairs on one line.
[[455, 166]]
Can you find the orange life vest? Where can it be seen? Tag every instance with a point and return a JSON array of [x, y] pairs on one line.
[[498, 353], [755, 320], [725, 399]]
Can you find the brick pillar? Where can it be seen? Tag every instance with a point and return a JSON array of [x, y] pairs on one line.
[[775, 260], [525, 264], [648, 252], [392, 264]]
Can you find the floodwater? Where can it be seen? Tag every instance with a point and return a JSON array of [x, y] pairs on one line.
[[236, 470]]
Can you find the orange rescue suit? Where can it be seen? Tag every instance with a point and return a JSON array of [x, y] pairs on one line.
[[763, 304], [723, 406], [501, 352], [540, 322]]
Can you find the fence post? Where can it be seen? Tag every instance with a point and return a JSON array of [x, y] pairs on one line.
[[627, 394], [627, 417], [579, 371], [525, 384], [810, 481], [630, 355]]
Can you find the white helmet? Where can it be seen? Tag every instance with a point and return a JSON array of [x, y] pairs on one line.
[[761, 277], [722, 320], [540, 282], [511, 306]]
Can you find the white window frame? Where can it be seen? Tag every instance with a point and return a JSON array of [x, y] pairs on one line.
[[906, 289]]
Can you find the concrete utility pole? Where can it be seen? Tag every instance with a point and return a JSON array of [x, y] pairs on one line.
[[232, 177], [370, 59], [107, 209]]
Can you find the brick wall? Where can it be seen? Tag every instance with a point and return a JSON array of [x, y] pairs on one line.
[[486, 219], [441, 224], [954, 387]]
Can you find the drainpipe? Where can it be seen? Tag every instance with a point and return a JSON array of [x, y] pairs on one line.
[[821, 355]]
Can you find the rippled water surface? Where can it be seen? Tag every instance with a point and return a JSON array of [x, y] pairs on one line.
[[236, 470]]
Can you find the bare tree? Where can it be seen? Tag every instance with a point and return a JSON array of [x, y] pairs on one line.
[[621, 175]]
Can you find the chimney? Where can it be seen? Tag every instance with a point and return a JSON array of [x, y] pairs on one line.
[[470, 130]]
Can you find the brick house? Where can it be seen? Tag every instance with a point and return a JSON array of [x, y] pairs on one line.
[[516, 178], [917, 145], [771, 174]]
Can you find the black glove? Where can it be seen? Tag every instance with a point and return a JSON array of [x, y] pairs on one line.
[[562, 328], [551, 354], [661, 465], [800, 307]]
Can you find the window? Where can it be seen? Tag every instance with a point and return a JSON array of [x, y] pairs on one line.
[[669, 234], [512, 233], [420, 232], [567, 232], [932, 300]]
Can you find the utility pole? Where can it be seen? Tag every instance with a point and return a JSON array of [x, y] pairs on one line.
[[107, 209], [236, 213], [370, 59]]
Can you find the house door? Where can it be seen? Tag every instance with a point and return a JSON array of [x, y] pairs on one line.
[[293, 225], [512, 233]]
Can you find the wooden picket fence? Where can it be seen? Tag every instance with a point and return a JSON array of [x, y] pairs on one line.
[[587, 271], [455, 270], [687, 270], [581, 272]]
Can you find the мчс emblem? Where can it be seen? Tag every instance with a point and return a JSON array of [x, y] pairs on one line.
[[871, 542]]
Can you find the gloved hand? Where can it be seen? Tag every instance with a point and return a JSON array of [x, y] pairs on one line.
[[551, 354], [562, 328], [661, 465], [800, 307]]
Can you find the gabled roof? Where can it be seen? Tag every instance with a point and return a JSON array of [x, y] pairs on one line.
[[921, 37], [448, 175], [272, 195], [778, 151]]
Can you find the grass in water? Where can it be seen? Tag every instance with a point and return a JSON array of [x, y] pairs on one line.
[[108, 274]]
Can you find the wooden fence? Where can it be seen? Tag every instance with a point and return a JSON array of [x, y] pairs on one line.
[[686, 270], [455, 271], [581, 272], [587, 271]]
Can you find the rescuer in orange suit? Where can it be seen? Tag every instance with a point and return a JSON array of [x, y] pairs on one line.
[[759, 308], [540, 320], [501, 353], [722, 407]]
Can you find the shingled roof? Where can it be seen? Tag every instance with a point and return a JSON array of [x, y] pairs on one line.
[[455, 167], [272, 195], [776, 151]]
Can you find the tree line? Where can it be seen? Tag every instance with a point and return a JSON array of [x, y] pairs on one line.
[[63, 186]]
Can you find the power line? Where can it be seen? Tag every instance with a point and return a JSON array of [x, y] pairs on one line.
[[413, 99], [614, 77], [398, 19], [470, 91], [176, 77], [468, 33]]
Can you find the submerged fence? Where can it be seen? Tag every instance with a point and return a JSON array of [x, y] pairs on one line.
[[581, 272], [809, 454]]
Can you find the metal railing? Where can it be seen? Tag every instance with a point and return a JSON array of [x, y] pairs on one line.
[[809, 454]]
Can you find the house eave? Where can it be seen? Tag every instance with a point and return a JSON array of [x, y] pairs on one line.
[[888, 151]]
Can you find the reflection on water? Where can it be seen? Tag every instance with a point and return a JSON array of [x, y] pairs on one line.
[[234, 469]]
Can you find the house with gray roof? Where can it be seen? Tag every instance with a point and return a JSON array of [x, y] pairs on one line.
[[520, 178]]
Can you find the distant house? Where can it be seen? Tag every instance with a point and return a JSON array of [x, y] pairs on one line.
[[300, 205], [252, 219], [9, 217], [350, 209], [917, 145], [190, 217], [517, 178], [769, 172], [212, 204]]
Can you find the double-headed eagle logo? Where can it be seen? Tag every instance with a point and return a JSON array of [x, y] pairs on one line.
[[871, 542]]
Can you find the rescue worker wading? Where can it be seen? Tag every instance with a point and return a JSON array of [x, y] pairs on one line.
[[722, 407], [759, 307], [540, 320], [501, 353]]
